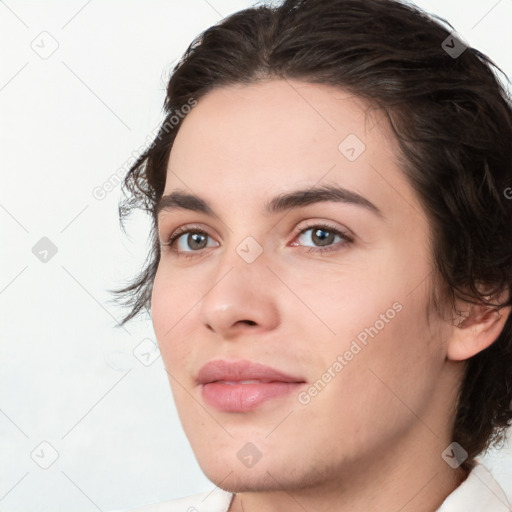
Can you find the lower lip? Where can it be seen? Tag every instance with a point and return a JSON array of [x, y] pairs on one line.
[[244, 397]]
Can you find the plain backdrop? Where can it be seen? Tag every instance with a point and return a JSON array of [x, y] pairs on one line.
[[87, 421]]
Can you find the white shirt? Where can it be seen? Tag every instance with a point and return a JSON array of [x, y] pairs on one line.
[[478, 493]]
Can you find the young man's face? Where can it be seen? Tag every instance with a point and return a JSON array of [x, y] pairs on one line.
[[365, 382]]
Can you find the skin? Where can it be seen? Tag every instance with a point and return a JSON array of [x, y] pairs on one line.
[[372, 438]]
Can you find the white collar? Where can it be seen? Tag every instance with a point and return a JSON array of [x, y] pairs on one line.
[[480, 492]]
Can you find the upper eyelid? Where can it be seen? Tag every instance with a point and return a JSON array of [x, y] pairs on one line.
[[167, 233], [328, 224]]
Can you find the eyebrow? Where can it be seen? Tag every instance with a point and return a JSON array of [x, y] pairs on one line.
[[181, 200]]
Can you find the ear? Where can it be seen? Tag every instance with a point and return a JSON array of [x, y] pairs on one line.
[[479, 326]]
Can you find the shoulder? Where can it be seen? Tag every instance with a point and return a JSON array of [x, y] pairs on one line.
[[480, 492], [208, 501]]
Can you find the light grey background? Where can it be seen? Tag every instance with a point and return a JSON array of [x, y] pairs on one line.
[[81, 89]]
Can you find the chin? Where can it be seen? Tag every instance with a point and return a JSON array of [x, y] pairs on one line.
[[265, 476], [250, 480]]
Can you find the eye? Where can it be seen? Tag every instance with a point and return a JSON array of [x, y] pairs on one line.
[[323, 236], [189, 239]]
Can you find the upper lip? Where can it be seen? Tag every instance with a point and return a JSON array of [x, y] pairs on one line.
[[233, 371]]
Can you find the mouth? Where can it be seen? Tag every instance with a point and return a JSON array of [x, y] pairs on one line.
[[241, 386]]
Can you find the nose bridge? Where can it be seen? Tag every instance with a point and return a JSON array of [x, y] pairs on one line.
[[244, 245], [240, 291]]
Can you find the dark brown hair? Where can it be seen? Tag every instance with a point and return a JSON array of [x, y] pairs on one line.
[[452, 119]]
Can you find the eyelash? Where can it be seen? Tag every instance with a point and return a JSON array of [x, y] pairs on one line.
[[196, 229]]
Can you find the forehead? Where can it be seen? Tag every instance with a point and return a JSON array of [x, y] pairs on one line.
[[278, 135], [273, 117]]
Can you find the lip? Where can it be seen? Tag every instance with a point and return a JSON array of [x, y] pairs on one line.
[[240, 386]]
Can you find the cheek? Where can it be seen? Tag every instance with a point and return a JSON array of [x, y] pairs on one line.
[[171, 302], [394, 365], [375, 383], [378, 328], [163, 308], [342, 302]]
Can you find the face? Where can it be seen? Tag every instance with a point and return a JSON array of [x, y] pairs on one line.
[[328, 293]]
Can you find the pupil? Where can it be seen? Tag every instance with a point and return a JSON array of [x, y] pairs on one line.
[[322, 239], [196, 238]]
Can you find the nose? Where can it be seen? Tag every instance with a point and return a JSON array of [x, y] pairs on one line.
[[241, 299]]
